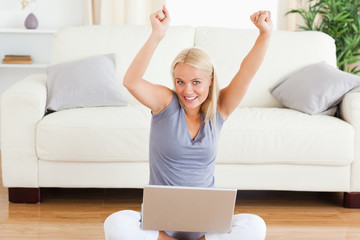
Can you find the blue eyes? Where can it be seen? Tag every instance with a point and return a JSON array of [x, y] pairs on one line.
[[182, 82]]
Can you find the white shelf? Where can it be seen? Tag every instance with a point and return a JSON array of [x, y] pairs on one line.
[[36, 43], [32, 65], [28, 31]]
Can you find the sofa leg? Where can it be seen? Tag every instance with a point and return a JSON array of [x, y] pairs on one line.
[[352, 200], [24, 195]]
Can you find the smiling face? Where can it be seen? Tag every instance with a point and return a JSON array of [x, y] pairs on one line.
[[191, 86], [195, 82]]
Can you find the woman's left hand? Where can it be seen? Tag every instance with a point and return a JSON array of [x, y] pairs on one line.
[[262, 20]]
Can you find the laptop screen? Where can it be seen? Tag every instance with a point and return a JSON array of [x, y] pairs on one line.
[[188, 209]]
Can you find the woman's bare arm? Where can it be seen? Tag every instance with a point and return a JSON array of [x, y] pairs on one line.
[[231, 96], [156, 97]]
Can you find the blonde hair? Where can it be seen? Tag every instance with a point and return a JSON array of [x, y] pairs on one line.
[[199, 59]]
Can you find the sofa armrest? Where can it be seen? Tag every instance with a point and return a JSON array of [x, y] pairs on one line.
[[22, 106], [350, 112]]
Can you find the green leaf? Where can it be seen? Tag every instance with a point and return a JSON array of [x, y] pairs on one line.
[[342, 16]]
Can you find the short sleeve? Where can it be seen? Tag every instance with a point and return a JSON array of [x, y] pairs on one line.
[[172, 108]]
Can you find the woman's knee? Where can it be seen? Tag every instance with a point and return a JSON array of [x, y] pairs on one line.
[[253, 223], [122, 225]]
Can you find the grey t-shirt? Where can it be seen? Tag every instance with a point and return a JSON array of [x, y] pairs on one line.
[[178, 160], [175, 158]]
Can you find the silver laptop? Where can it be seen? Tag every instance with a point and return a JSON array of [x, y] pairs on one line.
[[187, 209]]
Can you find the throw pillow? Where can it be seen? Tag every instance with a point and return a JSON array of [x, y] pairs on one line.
[[89, 82], [316, 89]]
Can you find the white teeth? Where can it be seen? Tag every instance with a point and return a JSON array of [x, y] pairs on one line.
[[192, 98]]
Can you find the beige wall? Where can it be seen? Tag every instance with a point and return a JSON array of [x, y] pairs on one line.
[[283, 23], [51, 13], [291, 21]]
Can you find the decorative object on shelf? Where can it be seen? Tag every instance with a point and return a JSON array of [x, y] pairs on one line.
[[31, 22], [17, 59], [339, 19]]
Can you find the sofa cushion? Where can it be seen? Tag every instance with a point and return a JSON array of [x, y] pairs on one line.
[[250, 136], [285, 136], [316, 89], [87, 82], [105, 134]]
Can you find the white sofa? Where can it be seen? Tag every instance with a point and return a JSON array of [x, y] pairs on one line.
[[263, 146]]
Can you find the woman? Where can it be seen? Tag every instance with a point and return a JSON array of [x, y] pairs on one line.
[[186, 124]]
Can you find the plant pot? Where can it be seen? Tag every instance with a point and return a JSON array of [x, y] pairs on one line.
[[31, 21]]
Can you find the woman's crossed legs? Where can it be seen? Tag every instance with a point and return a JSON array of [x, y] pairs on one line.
[[126, 225]]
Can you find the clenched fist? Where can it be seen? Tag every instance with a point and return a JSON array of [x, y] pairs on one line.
[[262, 20], [160, 22]]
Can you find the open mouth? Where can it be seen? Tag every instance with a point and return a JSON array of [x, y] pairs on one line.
[[190, 99]]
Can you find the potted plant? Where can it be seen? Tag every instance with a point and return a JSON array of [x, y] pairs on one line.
[[340, 20]]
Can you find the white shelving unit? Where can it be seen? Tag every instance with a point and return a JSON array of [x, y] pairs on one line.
[[25, 66], [36, 43], [19, 41], [27, 31], [15, 41]]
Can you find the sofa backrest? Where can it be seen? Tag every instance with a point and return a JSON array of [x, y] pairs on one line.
[[287, 53]]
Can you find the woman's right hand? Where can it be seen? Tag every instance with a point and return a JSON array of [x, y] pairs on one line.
[[160, 22]]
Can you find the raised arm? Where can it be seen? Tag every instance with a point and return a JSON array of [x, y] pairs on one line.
[[231, 96], [156, 97]]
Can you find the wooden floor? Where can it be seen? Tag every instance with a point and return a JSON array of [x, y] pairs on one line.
[[80, 213]]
